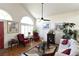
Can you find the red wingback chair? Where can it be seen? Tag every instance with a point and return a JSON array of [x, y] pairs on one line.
[[22, 40], [36, 36]]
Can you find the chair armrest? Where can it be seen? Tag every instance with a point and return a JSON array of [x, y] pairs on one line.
[[25, 38], [26, 41]]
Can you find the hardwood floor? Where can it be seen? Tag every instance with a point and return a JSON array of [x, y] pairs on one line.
[[16, 51]]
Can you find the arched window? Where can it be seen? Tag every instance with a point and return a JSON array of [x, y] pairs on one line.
[[4, 15], [27, 20], [26, 26]]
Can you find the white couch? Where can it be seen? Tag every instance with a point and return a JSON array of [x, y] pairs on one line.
[[72, 44]]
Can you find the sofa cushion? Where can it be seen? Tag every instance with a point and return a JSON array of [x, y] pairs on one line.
[[67, 51], [74, 47]]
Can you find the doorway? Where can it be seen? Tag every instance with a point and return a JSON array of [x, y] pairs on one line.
[[1, 35]]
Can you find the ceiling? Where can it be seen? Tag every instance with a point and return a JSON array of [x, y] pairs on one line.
[[51, 9]]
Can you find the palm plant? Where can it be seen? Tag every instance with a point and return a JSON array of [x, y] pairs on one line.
[[68, 33]]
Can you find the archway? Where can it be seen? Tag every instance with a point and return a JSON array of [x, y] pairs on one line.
[[5, 15]]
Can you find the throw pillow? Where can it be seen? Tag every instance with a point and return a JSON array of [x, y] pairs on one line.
[[65, 41], [67, 51]]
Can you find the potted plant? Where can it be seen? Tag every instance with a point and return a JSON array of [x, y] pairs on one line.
[[68, 32], [35, 32], [35, 35]]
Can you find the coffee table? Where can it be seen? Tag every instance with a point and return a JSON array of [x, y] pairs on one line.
[[42, 51], [51, 51]]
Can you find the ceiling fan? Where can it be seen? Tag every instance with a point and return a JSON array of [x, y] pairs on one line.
[[42, 18]]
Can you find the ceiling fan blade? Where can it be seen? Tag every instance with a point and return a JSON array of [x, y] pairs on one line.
[[39, 19], [45, 19]]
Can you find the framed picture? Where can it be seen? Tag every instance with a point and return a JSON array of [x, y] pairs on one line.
[[12, 27], [59, 26], [46, 26]]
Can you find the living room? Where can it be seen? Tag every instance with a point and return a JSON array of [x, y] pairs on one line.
[[21, 20]]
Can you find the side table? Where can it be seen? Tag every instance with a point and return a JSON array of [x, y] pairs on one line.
[[13, 42]]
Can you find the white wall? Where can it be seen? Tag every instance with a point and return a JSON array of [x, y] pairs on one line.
[[42, 31], [17, 12], [60, 18], [8, 36], [67, 17]]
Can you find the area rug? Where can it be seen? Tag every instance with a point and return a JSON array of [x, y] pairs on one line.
[[34, 52]]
